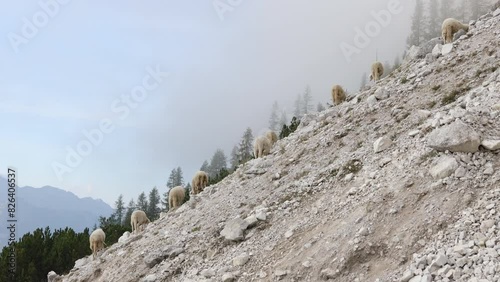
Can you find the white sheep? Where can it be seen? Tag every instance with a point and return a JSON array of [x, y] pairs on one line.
[[450, 27], [199, 182], [272, 136], [176, 197], [97, 241], [138, 219], [338, 94], [261, 147], [377, 71]]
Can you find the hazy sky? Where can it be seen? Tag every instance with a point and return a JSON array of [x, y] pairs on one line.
[[68, 72]]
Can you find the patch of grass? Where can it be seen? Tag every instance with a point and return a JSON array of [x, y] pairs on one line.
[[360, 144], [450, 98], [431, 104], [436, 87], [403, 80], [352, 166], [197, 228], [428, 155]]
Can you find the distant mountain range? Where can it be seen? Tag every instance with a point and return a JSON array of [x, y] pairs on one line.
[[49, 206]]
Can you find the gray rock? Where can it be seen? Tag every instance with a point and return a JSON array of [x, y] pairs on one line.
[[280, 272], [207, 273], [381, 144], [52, 277], [412, 54], [228, 277], [234, 229], [407, 275], [124, 237], [447, 48], [455, 137], [436, 51], [444, 168], [496, 13], [328, 273], [241, 259], [251, 220], [491, 145], [150, 278], [261, 215], [371, 100], [381, 93]]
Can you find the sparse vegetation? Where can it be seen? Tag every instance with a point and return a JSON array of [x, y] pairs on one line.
[[428, 155], [436, 87], [352, 166], [403, 80]]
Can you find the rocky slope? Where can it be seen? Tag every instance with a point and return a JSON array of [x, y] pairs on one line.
[[401, 183]]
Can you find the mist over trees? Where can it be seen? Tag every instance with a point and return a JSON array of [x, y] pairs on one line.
[[429, 15]]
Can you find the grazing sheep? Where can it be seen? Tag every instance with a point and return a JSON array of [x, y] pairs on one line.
[[451, 26], [262, 147], [377, 71], [138, 219], [199, 182], [97, 241], [176, 197], [271, 135], [338, 94]]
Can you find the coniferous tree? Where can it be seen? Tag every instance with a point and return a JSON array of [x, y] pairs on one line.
[[299, 106], [245, 147], [153, 211], [418, 25], [218, 162], [235, 158], [283, 119], [434, 28], [130, 209], [188, 192], [179, 178], [273, 120], [204, 167], [119, 210], [320, 107], [171, 182], [142, 202], [307, 100]]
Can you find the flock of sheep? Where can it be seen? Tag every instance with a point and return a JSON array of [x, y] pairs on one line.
[[262, 147], [448, 29]]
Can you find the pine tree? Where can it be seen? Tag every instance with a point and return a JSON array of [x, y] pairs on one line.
[[179, 178], [417, 26], [434, 28], [364, 79], [446, 10], [153, 211], [119, 210], [245, 146], [175, 178], [283, 119], [235, 158], [218, 162], [204, 167], [171, 182], [130, 209], [299, 106], [164, 200], [307, 100], [188, 192], [320, 107], [142, 202], [273, 120]]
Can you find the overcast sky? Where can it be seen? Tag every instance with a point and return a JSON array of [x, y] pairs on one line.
[[66, 73]]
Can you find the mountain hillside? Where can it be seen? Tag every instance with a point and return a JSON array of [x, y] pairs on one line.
[[400, 183], [53, 207]]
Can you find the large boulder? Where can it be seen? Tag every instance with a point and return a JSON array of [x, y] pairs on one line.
[[455, 137]]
